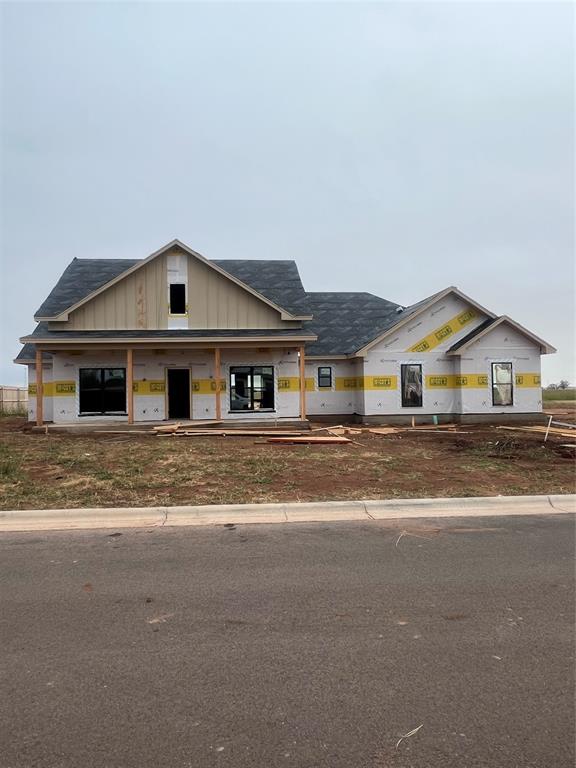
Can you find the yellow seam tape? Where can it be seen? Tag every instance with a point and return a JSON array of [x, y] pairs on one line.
[[528, 380], [379, 382], [444, 331], [55, 389], [292, 384]]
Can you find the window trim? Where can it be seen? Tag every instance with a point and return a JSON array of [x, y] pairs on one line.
[[403, 366], [83, 414], [330, 376], [492, 382], [177, 314], [252, 409]]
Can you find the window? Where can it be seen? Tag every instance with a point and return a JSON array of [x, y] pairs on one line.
[[411, 376], [252, 388], [102, 390], [177, 299], [502, 384], [325, 377]]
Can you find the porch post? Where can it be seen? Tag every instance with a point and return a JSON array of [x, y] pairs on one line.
[[302, 383], [130, 385], [39, 389], [217, 380]]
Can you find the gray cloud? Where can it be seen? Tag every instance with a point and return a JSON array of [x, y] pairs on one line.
[[396, 148]]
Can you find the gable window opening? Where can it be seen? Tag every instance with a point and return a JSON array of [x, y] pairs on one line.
[[411, 383], [177, 298], [102, 391], [252, 388], [502, 384], [325, 377]]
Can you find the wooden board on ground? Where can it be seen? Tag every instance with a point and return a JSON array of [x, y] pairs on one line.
[[231, 433], [309, 440], [383, 430], [541, 430]]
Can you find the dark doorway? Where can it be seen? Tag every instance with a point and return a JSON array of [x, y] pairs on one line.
[[178, 393]]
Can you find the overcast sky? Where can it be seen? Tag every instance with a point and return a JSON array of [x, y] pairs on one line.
[[396, 148]]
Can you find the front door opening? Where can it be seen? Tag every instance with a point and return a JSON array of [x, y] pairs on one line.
[[178, 393]]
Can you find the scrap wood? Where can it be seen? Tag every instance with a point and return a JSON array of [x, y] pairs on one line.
[[123, 432], [383, 430], [540, 430], [230, 433], [305, 440], [338, 429]]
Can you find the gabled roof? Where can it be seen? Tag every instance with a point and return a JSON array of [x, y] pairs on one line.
[[414, 310], [489, 325], [85, 278]]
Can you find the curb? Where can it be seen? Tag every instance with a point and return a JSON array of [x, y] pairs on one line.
[[310, 512]]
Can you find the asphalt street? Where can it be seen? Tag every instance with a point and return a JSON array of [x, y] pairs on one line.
[[313, 645]]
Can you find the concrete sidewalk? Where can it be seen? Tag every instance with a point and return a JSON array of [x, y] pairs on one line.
[[143, 517]]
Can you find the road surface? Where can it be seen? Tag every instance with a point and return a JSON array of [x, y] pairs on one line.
[[313, 645]]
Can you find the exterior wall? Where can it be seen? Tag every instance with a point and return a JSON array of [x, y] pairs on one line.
[[150, 383], [140, 301], [502, 345], [423, 341], [48, 399], [345, 395]]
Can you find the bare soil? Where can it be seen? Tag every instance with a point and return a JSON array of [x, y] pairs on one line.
[[66, 470]]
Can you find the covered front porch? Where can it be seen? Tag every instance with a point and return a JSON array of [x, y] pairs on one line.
[[93, 384]]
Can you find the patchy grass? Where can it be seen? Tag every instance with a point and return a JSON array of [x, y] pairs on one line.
[[62, 470], [558, 394]]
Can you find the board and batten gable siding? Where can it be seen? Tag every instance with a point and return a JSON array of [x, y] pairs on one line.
[[214, 301], [139, 301]]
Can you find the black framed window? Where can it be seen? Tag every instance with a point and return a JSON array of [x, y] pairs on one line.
[[411, 382], [325, 376], [502, 384], [102, 390], [177, 299], [252, 388]]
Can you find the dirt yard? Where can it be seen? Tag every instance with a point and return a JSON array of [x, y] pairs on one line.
[[63, 470]]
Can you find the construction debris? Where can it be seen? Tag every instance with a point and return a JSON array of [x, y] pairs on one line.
[[309, 440], [542, 430]]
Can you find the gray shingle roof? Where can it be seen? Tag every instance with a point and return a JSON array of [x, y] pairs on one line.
[[278, 281], [344, 322], [79, 279], [28, 352], [42, 332]]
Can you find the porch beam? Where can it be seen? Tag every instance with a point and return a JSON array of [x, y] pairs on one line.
[[130, 385], [302, 362], [39, 389], [217, 380]]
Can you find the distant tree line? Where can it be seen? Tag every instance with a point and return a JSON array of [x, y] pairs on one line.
[[563, 384]]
